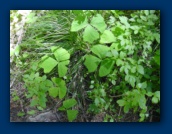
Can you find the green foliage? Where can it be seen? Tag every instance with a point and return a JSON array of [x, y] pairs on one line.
[[20, 114], [15, 97], [31, 112], [115, 52], [71, 114], [69, 103], [62, 59], [91, 63], [37, 87], [107, 37], [90, 34], [99, 23], [60, 88]]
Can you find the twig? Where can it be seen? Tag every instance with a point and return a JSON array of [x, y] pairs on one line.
[[119, 111], [116, 96]]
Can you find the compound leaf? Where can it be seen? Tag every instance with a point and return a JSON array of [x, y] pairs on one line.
[[61, 86]]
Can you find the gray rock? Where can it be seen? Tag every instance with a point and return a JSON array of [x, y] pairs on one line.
[[43, 117]]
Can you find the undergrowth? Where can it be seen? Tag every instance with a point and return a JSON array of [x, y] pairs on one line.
[[93, 62]]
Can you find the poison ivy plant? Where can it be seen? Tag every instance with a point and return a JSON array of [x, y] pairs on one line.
[[90, 33], [71, 114], [62, 60], [92, 62], [59, 89], [121, 52]]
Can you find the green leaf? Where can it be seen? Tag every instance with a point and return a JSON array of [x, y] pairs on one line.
[[114, 53], [72, 114], [106, 67], [132, 80], [53, 92], [17, 50], [154, 100], [157, 57], [61, 86], [121, 102], [142, 85], [140, 69], [32, 112], [20, 114], [107, 37], [61, 54], [69, 103], [126, 108], [117, 31], [133, 69], [98, 22], [142, 102], [62, 108], [119, 62], [146, 12], [149, 94], [100, 50], [91, 63], [90, 34], [76, 26], [48, 64], [122, 55], [34, 102], [96, 101], [62, 92], [124, 20], [113, 82], [157, 94], [62, 69]]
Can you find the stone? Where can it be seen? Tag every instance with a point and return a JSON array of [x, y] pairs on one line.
[[44, 117]]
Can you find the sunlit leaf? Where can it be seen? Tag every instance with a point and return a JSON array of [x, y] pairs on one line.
[[53, 92], [99, 23], [107, 37], [76, 25], [100, 50], [91, 63], [90, 34], [48, 64]]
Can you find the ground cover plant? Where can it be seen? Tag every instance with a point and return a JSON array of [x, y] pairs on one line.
[[86, 66]]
